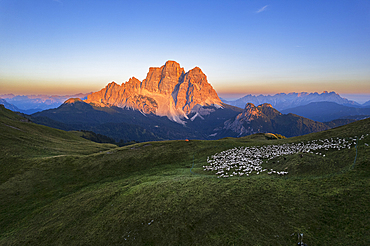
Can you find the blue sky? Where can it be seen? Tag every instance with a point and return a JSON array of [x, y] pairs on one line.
[[65, 46]]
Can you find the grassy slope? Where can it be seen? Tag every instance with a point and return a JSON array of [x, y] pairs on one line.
[[62, 190]]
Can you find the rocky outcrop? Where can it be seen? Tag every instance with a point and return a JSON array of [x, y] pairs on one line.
[[166, 91]]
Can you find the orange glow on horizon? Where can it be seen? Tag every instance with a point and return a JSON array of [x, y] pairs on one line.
[[227, 90], [60, 88]]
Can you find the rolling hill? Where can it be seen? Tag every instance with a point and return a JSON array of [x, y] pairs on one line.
[[59, 189]]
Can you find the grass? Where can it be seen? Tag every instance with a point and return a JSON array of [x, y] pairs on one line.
[[59, 189]]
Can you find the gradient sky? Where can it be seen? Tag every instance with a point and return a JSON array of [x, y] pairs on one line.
[[244, 47]]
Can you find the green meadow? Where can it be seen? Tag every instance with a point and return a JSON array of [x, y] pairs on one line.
[[57, 188]]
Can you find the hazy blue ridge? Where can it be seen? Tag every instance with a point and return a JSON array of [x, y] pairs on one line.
[[283, 101], [328, 111]]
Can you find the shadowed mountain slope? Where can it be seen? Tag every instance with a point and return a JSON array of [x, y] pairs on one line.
[[129, 124], [9, 106]]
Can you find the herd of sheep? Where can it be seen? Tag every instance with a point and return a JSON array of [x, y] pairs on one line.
[[248, 160]]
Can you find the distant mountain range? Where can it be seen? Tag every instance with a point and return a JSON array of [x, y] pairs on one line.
[[283, 101], [366, 104], [34, 103], [328, 111]]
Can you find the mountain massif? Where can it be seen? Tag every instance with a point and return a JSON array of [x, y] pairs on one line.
[[166, 91]]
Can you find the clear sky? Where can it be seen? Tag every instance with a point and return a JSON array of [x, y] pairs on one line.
[[244, 47]]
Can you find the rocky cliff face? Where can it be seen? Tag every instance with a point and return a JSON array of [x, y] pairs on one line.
[[166, 91]]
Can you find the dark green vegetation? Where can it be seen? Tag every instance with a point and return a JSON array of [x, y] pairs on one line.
[[59, 189]]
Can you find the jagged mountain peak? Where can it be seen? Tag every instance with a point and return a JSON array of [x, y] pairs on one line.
[[196, 70], [132, 80], [163, 79], [166, 91]]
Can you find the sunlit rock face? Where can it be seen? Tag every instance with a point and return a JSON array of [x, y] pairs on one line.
[[166, 91], [72, 100], [164, 79]]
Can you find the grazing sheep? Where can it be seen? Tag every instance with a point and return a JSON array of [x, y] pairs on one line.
[[248, 159]]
